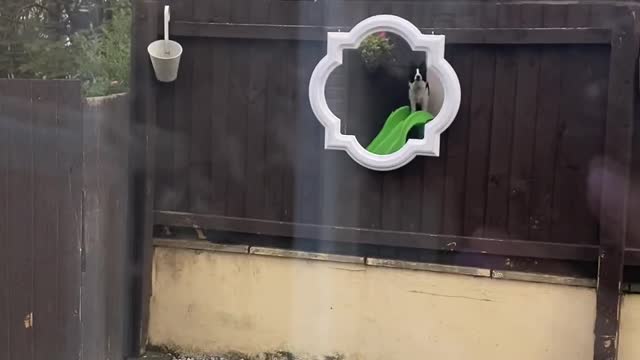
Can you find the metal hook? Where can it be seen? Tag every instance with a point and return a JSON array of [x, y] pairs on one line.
[[167, 16]]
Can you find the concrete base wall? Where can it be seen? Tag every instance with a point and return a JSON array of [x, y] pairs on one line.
[[630, 328], [215, 302]]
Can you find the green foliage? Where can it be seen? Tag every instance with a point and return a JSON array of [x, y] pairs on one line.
[[67, 39], [375, 50], [105, 54]]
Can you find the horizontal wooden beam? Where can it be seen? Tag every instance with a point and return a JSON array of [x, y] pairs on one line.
[[543, 250], [632, 257], [454, 36]]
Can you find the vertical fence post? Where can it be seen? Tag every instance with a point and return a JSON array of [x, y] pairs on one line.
[[145, 22], [615, 184]]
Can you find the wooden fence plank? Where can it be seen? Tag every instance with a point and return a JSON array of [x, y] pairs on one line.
[[528, 68], [461, 58], [203, 11], [182, 123], [113, 170], [550, 88], [221, 10], [165, 193], [21, 219], [237, 122], [256, 115], [275, 142], [478, 145], [288, 129], [481, 112], [94, 271], [199, 139], [580, 134], [219, 117], [256, 130], [143, 151], [433, 187], [181, 10], [500, 149], [47, 187], [411, 203], [70, 218], [5, 344], [391, 202], [457, 140], [310, 187]]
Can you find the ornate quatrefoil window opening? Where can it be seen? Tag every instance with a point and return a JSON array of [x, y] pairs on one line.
[[443, 84]]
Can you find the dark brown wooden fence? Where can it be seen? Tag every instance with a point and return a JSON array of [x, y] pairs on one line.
[[63, 208], [41, 219], [238, 145], [536, 164]]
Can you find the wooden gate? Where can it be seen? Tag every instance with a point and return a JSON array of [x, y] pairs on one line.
[[63, 206], [40, 219]]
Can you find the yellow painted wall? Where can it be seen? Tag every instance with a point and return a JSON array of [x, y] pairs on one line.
[[630, 328], [216, 302]]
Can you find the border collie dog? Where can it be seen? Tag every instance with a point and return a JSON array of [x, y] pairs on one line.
[[418, 88]]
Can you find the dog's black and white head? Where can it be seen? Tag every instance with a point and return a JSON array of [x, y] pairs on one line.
[[418, 76]]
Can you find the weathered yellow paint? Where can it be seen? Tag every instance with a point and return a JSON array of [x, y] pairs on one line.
[[218, 302], [630, 328]]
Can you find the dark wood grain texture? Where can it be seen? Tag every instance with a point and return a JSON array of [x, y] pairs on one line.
[[21, 219], [524, 125], [142, 153], [288, 130], [5, 349], [457, 142], [219, 113], [106, 251], [94, 271], [478, 145], [199, 173], [551, 84], [275, 141], [501, 136], [237, 123], [183, 112], [70, 123], [47, 187], [309, 185], [580, 137]]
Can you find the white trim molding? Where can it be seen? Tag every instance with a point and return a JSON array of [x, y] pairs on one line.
[[439, 72]]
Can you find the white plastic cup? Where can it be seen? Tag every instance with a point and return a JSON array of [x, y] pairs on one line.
[[165, 58]]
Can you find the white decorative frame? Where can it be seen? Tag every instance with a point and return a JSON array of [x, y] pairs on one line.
[[439, 72]]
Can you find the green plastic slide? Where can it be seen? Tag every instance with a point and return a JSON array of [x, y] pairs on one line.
[[394, 133]]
